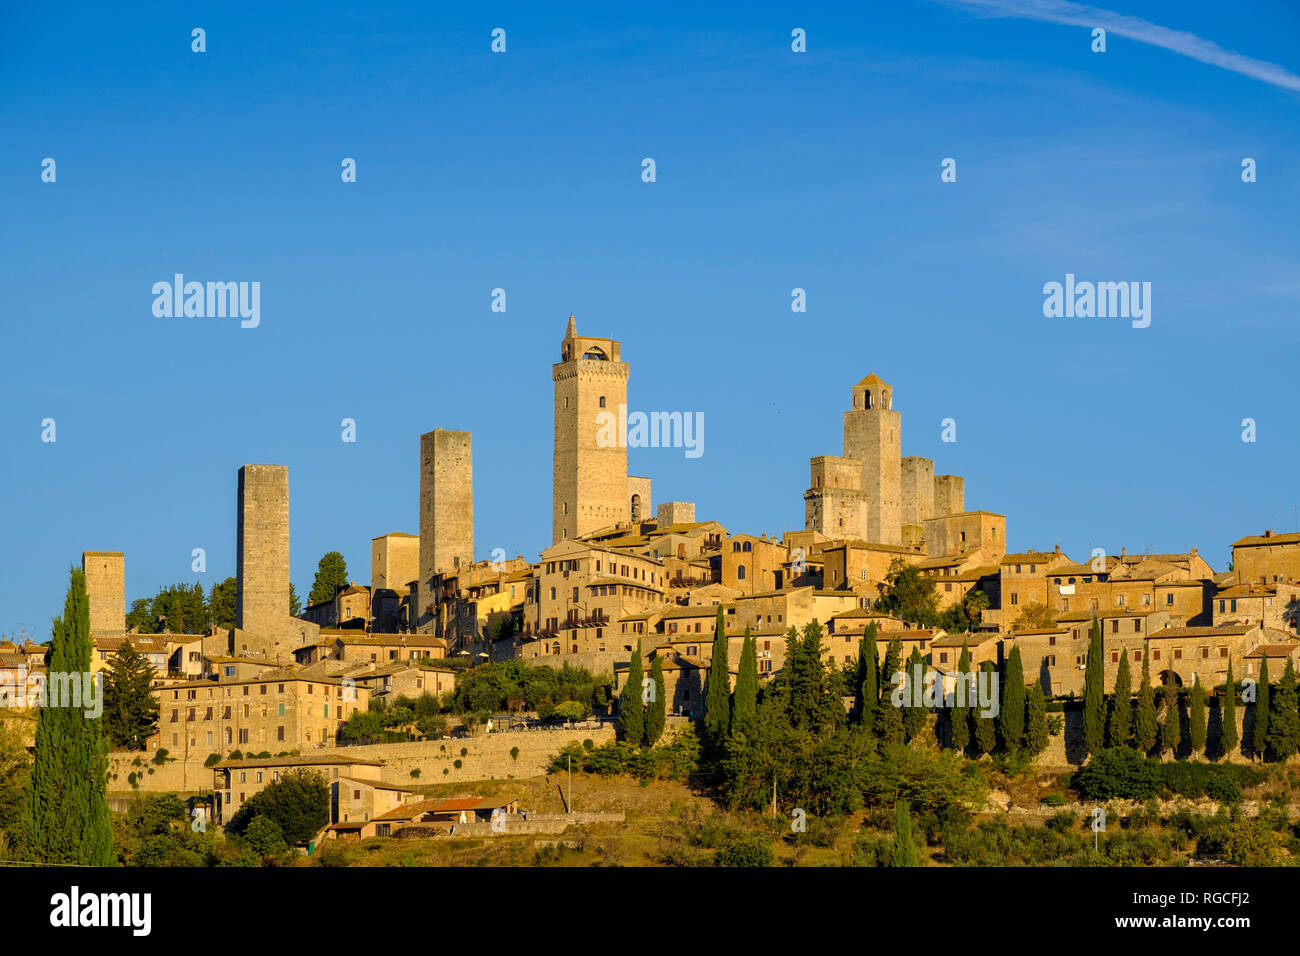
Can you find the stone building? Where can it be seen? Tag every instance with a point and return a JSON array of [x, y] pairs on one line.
[[278, 711], [1267, 558], [394, 560]]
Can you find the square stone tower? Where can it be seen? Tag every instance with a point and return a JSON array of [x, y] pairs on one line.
[[949, 495], [835, 504], [106, 589], [262, 551], [872, 435], [590, 485], [446, 507], [918, 490], [394, 560]]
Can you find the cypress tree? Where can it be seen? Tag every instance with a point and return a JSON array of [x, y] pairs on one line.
[[913, 712], [904, 852], [1196, 715], [744, 714], [1144, 720], [869, 684], [1171, 730], [717, 692], [1094, 693], [985, 730], [65, 819], [1011, 713], [892, 665], [1228, 716], [631, 708], [1259, 733], [1120, 728], [1035, 719], [1284, 717], [656, 712], [960, 713]]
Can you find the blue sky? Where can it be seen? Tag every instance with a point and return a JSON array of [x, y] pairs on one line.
[[775, 170]]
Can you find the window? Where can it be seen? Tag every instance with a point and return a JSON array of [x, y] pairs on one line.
[[1015, 598], [602, 401], [740, 572], [1169, 598]]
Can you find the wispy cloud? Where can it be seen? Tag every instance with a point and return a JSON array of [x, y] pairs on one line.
[[1135, 28]]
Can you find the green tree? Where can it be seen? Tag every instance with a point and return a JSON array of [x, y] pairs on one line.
[[331, 574], [744, 713], [984, 732], [66, 818], [1196, 715], [1284, 717], [223, 601], [1171, 731], [1259, 733], [656, 714], [1094, 691], [1228, 715], [1011, 713], [1035, 719], [631, 705], [264, 836], [130, 705], [298, 803], [717, 692], [959, 715], [904, 852], [908, 594], [1120, 729], [914, 713], [868, 679], [295, 603], [893, 664], [1144, 718]]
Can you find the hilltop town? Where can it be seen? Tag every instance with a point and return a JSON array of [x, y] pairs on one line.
[[626, 586]]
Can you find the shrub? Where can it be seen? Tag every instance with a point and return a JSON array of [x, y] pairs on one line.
[[514, 753], [1120, 773], [749, 850], [1056, 799], [160, 757], [457, 763], [415, 773], [213, 760]]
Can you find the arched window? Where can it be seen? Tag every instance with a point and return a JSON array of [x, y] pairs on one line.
[[636, 499], [866, 399], [740, 572], [595, 354], [735, 546], [745, 547]]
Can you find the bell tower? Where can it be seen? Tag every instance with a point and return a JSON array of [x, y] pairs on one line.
[[590, 485], [872, 435]]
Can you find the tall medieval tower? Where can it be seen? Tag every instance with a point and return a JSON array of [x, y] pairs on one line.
[[590, 488], [262, 551], [446, 509], [872, 436]]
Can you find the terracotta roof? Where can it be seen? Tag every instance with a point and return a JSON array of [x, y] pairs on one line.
[[872, 379], [442, 805], [1224, 630], [1032, 557], [1274, 650], [1251, 540]]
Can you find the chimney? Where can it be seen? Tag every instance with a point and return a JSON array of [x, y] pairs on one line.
[[1123, 551], [1268, 534], [1057, 549]]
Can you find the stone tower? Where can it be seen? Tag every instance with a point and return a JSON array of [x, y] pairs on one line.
[[106, 589], [262, 551], [872, 436], [590, 487], [446, 507]]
